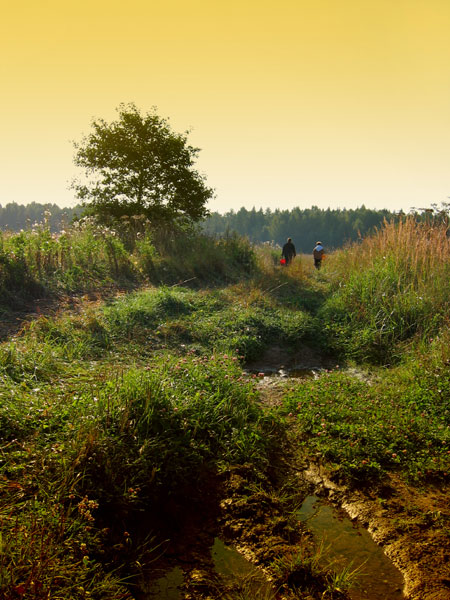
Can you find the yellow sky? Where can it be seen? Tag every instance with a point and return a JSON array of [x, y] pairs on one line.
[[293, 102]]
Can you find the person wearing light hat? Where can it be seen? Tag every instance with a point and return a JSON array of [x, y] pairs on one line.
[[318, 254]]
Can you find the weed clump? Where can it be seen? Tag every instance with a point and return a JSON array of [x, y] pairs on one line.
[[365, 429], [390, 289]]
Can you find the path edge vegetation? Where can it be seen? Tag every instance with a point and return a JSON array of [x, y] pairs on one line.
[[115, 413]]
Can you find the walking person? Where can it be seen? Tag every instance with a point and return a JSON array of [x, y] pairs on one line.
[[318, 253], [288, 252]]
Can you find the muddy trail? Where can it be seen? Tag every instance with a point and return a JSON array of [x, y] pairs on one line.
[[284, 537], [301, 534]]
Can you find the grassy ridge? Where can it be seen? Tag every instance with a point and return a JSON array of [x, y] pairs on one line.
[[89, 257], [388, 304], [113, 415], [81, 460], [106, 445]]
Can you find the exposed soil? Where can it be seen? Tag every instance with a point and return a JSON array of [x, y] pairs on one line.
[[411, 524], [251, 518], [278, 359], [11, 322]]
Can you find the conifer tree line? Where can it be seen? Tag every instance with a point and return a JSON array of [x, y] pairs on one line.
[[14, 217], [333, 227]]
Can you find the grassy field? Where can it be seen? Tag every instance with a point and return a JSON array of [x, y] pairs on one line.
[[117, 414]]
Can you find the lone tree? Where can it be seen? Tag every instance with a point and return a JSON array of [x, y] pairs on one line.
[[137, 165]]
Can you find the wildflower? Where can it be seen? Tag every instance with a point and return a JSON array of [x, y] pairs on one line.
[[20, 589]]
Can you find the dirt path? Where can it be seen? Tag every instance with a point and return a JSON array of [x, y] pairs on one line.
[[412, 524]]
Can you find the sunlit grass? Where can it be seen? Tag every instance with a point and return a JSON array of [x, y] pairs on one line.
[[398, 422], [391, 290], [140, 399]]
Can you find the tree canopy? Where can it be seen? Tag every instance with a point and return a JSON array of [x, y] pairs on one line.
[[136, 165]]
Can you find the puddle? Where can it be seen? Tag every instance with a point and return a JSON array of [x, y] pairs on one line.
[[295, 373], [167, 587], [239, 573], [348, 543], [304, 373]]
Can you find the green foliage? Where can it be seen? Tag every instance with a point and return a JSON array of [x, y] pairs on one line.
[[206, 321], [391, 289], [15, 217], [367, 428], [306, 570], [89, 256], [83, 450], [141, 167], [48, 552], [76, 465], [251, 330], [305, 226], [131, 314], [127, 410]]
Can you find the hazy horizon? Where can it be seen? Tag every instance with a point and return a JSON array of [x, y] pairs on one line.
[[293, 104]]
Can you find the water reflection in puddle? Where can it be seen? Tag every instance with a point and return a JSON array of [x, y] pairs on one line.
[[345, 543], [167, 587], [241, 574], [238, 576]]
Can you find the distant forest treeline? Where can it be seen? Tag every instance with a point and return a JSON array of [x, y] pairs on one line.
[[14, 217], [333, 227]]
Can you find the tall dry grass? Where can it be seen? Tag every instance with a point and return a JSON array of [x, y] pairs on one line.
[[391, 288], [416, 248]]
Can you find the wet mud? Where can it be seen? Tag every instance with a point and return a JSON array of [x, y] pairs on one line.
[[412, 525], [350, 545], [278, 360], [395, 536]]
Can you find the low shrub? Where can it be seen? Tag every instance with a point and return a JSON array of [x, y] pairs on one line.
[[367, 428]]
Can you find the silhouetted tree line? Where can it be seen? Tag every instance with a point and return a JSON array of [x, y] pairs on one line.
[[14, 217], [334, 227]]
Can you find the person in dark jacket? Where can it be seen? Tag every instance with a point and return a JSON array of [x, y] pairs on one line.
[[288, 252], [318, 254]]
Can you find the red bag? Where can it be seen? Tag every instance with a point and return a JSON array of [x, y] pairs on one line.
[[282, 261]]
